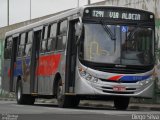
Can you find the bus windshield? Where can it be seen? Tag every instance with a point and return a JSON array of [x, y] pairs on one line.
[[132, 45]]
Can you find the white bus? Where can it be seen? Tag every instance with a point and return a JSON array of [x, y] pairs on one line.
[[93, 52]]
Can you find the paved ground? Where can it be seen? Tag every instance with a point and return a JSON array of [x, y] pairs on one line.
[[46, 111], [132, 106]]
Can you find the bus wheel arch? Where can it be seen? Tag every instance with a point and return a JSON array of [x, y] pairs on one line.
[[19, 91], [20, 97], [64, 101], [57, 78], [57, 90]]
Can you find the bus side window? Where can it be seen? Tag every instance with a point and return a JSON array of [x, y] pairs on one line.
[[53, 30], [62, 35], [30, 37], [52, 37], [28, 43], [8, 47], [63, 27], [44, 39], [21, 44]]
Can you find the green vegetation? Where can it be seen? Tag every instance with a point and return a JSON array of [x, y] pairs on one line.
[[158, 22]]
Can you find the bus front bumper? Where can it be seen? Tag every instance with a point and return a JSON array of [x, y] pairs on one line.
[[138, 89]]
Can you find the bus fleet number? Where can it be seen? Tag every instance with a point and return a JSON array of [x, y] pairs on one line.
[[98, 13]]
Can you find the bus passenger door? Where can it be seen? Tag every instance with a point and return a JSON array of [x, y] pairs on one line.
[[13, 61], [71, 59], [34, 61]]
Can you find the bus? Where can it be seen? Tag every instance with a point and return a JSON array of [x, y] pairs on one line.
[[91, 52]]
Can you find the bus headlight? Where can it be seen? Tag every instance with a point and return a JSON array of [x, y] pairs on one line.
[[87, 76], [144, 82], [83, 73], [95, 80]]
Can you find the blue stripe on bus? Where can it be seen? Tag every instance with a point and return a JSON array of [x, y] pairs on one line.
[[18, 70], [133, 78]]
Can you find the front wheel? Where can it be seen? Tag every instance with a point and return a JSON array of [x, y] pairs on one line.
[[65, 101], [121, 103]]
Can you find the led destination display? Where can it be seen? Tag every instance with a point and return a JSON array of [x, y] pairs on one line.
[[127, 14]]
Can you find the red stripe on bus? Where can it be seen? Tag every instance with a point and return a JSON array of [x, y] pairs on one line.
[[9, 70], [115, 78], [48, 64]]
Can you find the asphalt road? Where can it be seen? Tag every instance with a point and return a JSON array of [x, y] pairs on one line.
[[11, 111]]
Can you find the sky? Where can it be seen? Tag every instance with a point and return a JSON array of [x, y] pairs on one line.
[[19, 10]]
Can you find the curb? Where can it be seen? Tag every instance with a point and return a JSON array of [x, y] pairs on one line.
[[132, 106], [7, 99]]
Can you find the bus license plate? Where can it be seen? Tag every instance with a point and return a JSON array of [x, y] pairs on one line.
[[119, 88]]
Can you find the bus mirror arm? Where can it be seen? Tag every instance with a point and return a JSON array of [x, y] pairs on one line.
[[79, 30]]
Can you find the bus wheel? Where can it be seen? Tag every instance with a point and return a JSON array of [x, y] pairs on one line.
[[19, 96], [121, 103], [30, 100], [22, 98], [65, 101]]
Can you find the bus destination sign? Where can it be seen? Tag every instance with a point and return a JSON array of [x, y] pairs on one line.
[[118, 14]]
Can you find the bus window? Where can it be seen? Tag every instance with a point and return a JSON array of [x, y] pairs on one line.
[[9, 42], [20, 50], [22, 38], [61, 41], [30, 37], [8, 47], [51, 44], [53, 30], [28, 45], [45, 32], [44, 39], [43, 46], [27, 49], [52, 37], [21, 44], [63, 27]]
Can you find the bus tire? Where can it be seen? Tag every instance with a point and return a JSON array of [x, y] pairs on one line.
[[30, 100], [65, 101], [121, 103], [22, 98], [19, 96], [75, 101]]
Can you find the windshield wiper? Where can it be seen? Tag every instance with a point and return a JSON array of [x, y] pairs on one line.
[[132, 33], [108, 31]]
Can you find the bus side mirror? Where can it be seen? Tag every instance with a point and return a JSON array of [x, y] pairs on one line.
[[78, 30]]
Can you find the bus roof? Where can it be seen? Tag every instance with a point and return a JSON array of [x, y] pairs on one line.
[[61, 16], [43, 22]]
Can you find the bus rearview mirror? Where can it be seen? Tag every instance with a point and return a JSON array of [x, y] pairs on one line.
[[78, 29]]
